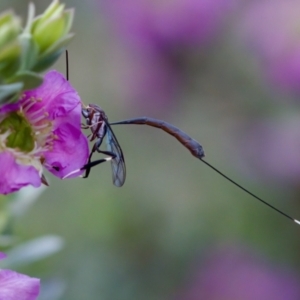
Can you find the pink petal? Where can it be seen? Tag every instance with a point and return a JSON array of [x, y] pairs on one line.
[[7, 108], [70, 151], [59, 98], [15, 286], [15, 176]]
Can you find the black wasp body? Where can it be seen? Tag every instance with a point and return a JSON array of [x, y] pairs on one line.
[[97, 122]]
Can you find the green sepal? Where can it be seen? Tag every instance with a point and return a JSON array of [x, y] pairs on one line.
[[57, 46], [52, 54], [47, 61], [69, 18], [30, 52], [53, 10]]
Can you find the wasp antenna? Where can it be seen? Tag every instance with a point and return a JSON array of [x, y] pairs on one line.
[[67, 65], [67, 73]]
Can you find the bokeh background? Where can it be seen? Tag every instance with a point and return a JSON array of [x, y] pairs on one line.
[[227, 72]]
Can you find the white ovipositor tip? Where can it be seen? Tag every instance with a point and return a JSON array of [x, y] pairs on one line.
[[296, 221]]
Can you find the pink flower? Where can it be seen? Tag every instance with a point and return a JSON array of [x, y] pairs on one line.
[[165, 23], [42, 129], [237, 273], [157, 39], [269, 149], [270, 28], [16, 286]]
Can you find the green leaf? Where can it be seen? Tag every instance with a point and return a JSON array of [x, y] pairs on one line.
[[4, 215], [33, 251], [24, 199], [9, 90], [30, 18], [29, 79]]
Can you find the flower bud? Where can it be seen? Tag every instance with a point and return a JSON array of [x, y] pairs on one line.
[[50, 32], [9, 45], [23, 54]]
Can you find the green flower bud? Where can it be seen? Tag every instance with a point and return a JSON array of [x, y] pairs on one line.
[[51, 26], [10, 47], [45, 36], [9, 28], [25, 53], [50, 32]]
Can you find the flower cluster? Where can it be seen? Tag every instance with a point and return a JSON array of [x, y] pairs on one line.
[[40, 118], [158, 39], [41, 130], [270, 29], [237, 273]]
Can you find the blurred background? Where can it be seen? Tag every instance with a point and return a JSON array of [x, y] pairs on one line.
[[227, 72]]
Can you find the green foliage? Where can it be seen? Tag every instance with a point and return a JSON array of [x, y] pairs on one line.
[[25, 52]]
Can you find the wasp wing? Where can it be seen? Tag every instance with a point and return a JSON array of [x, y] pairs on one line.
[[118, 163]]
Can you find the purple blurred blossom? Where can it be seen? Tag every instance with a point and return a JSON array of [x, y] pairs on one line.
[[270, 28], [166, 23], [270, 149], [237, 273], [16, 286], [148, 80], [155, 36], [47, 134]]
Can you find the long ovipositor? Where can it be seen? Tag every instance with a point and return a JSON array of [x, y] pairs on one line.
[[195, 148]]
